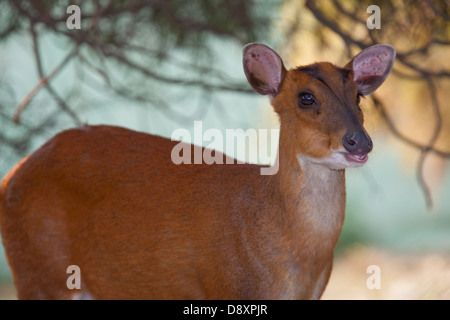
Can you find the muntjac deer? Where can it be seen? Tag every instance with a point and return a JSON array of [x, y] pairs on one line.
[[110, 200]]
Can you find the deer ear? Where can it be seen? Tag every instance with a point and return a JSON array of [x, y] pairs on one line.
[[263, 68], [371, 67]]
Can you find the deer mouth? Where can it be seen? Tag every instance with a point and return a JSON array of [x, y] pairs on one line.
[[357, 157]]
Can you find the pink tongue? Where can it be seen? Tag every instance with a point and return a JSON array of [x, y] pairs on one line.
[[358, 157]]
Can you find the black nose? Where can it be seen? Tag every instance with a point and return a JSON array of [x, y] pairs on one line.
[[357, 142]]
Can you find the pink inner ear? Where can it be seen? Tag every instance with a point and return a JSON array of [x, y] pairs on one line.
[[263, 68], [374, 61], [372, 66]]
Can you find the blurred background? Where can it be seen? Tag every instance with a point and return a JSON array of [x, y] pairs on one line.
[[158, 65]]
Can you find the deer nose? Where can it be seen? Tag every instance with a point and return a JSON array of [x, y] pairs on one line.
[[357, 142]]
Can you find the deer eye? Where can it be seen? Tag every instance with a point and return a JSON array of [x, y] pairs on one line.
[[305, 100]]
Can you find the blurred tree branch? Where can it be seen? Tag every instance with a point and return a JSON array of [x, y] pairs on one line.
[[137, 38], [44, 81]]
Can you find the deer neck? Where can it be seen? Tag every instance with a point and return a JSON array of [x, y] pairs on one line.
[[309, 211], [314, 195]]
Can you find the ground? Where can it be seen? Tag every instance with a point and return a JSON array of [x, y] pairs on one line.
[[402, 276]]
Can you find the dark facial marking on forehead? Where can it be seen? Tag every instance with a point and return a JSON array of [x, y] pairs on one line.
[[314, 71]]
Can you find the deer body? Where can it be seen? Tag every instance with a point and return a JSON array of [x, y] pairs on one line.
[[111, 201]]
